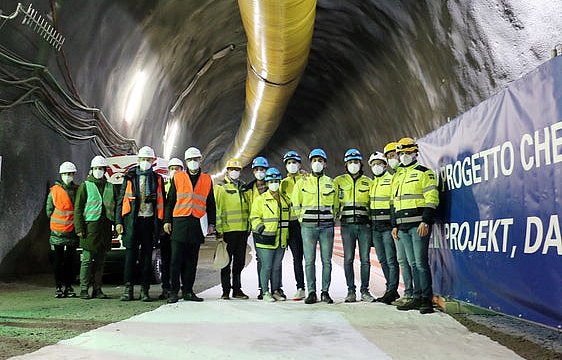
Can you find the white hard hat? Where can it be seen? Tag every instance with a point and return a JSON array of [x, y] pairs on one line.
[[377, 156], [67, 167], [192, 152], [146, 152], [98, 161], [175, 162]]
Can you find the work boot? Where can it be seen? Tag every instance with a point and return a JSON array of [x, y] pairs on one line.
[[128, 293], [238, 294], [260, 295], [299, 295], [173, 297], [389, 297], [426, 306], [350, 296], [267, 297], [144, 296], [69, 292], [367, 297], [311, 298], [98, 294], [279, 295], [192, 297], [325, 297], [401, 301], [412, 304], [164, 295], [84, 294], [225, 295], [58, 293]]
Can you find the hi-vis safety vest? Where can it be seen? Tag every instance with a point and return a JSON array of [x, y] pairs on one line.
[[130, 196], [381, 189], [414, 189], [233, 207], [190, 201], [62, 218], [286, 188], [274, 216], [313, 199], [352, 202], [94, 202]]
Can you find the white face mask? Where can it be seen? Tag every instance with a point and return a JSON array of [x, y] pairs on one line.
[[172, 172], [378, 169], [98, 174], [145, 165], [67, 179], [393, 163], [353, 168], [292, 168], [234, 174], [260, 175], [193, 165], [407, 159], [273, 186], [317, 166]]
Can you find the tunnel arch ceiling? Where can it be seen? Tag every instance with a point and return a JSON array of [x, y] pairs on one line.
[[377, 71]]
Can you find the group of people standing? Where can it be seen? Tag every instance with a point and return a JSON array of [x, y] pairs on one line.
[[393, 212]]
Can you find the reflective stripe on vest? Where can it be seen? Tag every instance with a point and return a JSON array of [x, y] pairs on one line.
[[94, 202], [190, 201], [62, 218], [130, 196]]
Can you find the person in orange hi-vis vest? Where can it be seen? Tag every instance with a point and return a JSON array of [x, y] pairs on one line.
[[63, 239], [190, 198], [139, 216]]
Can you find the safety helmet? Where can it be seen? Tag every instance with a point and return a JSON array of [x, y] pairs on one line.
[[146, 152], [260, 161], [234, 163], [67, 167], [191, 153], [175, 162], [318, 152], [291, 155], [98, 161], [406, 145], [377, 155], [352, 154], [272, 174], [391, 146]]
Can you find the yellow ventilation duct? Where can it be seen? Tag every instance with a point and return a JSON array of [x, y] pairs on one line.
[[279, 33]]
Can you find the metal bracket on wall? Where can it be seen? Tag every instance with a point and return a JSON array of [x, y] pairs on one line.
[[38, 24]]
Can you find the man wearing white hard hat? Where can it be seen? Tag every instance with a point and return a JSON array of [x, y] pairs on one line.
[[94, 213], [190, 199], [174, 165], [63, 239], [140, 211]]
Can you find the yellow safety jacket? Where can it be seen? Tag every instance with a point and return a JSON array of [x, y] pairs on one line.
[[233, 207], [287, 186], [381, 189], [415, 196], [313, 200], [352, 201], [270, 221]]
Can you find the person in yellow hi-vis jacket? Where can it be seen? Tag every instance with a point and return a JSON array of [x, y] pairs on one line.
[[352, 207], [270, 226], [414, 202], [313, 200], [233, 211]]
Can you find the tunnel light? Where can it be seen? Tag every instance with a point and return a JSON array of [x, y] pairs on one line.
[[170, 136], [134, 100]]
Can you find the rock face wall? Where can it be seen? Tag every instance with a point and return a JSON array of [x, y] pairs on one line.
[[377, 71]]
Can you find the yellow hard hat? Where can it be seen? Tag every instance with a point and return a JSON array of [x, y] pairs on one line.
[[234, 163], [391, 146], [406, 145]]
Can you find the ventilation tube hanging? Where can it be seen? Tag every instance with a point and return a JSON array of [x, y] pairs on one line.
[[279, 35]]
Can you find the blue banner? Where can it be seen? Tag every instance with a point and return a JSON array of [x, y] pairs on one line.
[[498, 242]]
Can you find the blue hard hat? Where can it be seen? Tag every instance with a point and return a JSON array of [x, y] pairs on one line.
[[291, 155], [352, 154], [273, 174], [260, 161], [318, 152]]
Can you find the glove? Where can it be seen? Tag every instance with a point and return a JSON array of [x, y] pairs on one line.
[[260, 228], [119, 228], [168, 228]]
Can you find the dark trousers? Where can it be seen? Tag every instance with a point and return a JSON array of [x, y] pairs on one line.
[[295, 244], [184, 263], [236, 248], [62, 262], [143, 239], [165, 256]]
